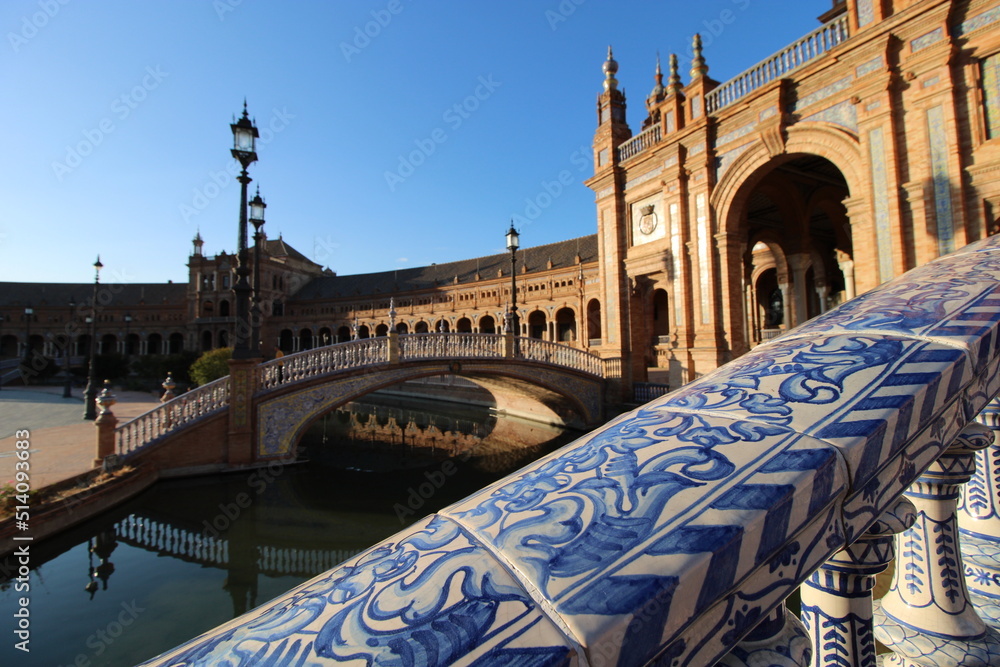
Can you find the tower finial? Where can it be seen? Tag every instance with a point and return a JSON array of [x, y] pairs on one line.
[[674, 82], [657, 93], [245, 114], [698, 66], [610, 68]]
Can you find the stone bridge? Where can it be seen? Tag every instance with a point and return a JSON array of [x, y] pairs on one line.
[[260, 411]]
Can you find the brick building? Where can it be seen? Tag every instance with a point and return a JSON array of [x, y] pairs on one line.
[[734, 211]]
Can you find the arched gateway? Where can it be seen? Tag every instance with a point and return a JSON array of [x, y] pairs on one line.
[[740, 209]]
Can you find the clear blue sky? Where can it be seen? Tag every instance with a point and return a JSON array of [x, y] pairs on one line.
[[116, 121]]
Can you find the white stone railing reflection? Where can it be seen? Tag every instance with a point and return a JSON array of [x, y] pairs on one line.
[[674, 533], [790, 58], [166, 539], [177, 413], [450, 345], [322, 361]]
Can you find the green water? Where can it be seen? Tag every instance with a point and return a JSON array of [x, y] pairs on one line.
[[190, 554]]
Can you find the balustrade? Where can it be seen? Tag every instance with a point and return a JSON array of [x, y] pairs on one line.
[[178, 412], [780, 64], [674, 533], [640, 142]]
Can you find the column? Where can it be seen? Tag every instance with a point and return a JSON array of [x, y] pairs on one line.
[[979, 524], [799, 264], [847, 268], [786, 306], [780, 640], [927, 618], [837, 598]]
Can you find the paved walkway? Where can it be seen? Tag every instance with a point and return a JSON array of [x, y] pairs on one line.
[[62, 442]]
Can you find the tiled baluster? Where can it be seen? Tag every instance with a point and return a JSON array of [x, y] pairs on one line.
[[837, 598], [979, 524], [780, 640], [926, 618]]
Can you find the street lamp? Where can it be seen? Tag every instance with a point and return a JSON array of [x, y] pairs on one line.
[[245, 150], [68, 387], [28, 313], [513, 241], [257, 207], [90, 393], [128, 326]]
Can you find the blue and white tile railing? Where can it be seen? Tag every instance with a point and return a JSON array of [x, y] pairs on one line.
[[674, 533]]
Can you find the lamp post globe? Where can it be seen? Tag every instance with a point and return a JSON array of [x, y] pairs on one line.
[[257, 206], [513, 243], [90, 393], [245, 137]]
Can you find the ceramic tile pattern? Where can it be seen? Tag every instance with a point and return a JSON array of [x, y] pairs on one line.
[[674, 529]]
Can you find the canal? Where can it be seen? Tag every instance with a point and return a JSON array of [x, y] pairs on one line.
[[190, 554]]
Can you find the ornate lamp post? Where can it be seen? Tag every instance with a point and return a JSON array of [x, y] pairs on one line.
[[245, 150], [128, 326], [513, 242], [29, 312], [68, 387], [90, 393], [1, 353], [257, 207]]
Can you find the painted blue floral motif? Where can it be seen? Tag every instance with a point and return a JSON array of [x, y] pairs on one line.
[[814, 372], [569, 527], [426, 600]]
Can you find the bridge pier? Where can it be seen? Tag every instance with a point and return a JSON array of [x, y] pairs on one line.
[[240, 435]]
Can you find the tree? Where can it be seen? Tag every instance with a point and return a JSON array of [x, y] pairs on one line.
[[211, 366]]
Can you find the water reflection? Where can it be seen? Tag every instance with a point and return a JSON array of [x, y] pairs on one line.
[[191, 554]]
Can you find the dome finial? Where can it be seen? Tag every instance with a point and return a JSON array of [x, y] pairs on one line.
[[657, 93], [610, 68], [698, 66]]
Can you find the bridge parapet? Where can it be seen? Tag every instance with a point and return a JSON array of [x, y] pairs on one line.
[[180, 412], [677, 530], [322, 361]]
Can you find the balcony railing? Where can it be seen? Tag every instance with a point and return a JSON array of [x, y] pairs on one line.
[[674, 533], [781, 63], [639, 143]]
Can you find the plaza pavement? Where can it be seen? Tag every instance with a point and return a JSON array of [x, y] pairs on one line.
[[63, 444]]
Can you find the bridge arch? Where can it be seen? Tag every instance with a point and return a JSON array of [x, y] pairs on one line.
[[284, 417]]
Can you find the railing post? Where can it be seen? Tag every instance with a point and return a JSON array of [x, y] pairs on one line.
[[508, 345], [926, 618], [105, 423], [393, 347], [241, 386], [780, 640], [837, 598], [979, 523]]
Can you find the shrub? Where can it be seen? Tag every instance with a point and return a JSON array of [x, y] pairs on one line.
[[211, 366]]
